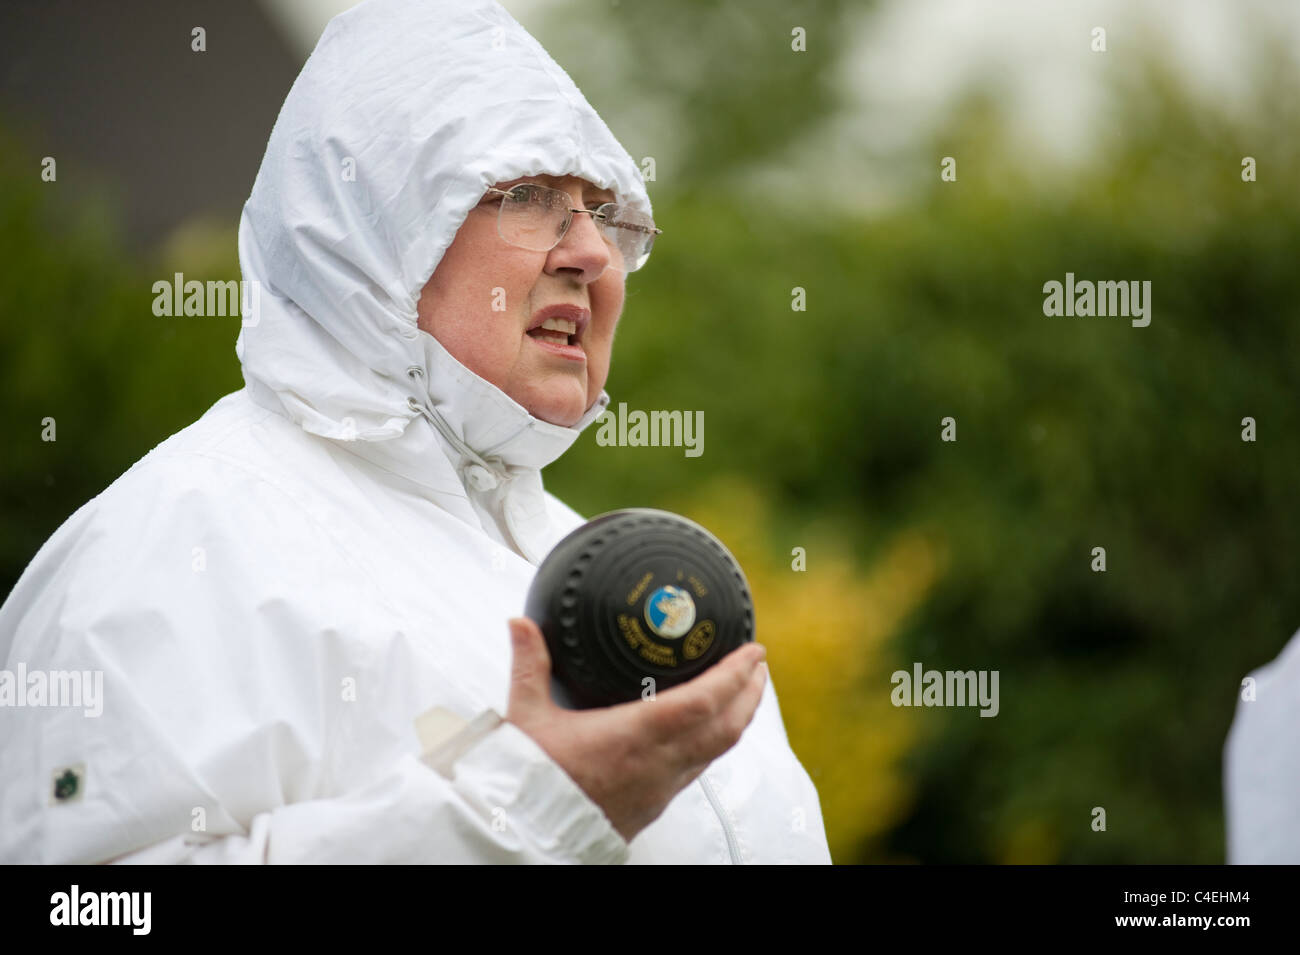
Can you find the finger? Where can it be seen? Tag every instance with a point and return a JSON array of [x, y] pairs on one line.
[[726, 728], [739, 713], [702, 743], [530, 665], [700, 699]]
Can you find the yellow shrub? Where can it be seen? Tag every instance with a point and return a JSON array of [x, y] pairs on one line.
[[826, 629]]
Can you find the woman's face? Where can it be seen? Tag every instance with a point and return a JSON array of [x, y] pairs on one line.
[[486, 296]]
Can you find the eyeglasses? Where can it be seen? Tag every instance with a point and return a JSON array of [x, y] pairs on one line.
[[536, 217]]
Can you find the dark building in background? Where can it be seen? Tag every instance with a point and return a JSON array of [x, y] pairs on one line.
[[115, 93]]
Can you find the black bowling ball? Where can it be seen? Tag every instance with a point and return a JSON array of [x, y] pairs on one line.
[[636, 601]]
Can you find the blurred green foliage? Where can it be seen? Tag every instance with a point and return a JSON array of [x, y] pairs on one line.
[[1117, 689], [79, 343], [822, 431]]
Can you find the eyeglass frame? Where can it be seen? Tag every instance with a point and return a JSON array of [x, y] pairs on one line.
[[568, 221]]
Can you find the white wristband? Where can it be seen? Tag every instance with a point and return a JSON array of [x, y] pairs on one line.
[[445, 737]]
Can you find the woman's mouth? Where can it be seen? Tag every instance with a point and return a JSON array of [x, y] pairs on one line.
[[559, 336], [556, 331]]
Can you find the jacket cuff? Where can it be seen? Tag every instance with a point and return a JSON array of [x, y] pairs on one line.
[[526, 790]]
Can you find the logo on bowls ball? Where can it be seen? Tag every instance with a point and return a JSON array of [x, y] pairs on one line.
[[670, 612]]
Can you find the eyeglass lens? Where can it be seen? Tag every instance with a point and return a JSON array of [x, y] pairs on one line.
[[535, 217]]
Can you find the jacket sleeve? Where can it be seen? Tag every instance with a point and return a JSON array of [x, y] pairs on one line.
[[507, 802], [221, 618]]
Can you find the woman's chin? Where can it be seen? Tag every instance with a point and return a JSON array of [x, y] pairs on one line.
[[559, 398], [564, 412]]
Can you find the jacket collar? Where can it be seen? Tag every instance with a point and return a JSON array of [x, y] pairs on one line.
[[463, 435], [481, 427]]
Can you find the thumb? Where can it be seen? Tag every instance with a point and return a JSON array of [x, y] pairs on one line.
[[530, 668]]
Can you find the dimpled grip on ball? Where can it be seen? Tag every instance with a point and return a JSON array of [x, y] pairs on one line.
[[636, 601]]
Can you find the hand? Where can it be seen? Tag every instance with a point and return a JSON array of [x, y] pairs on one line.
[[633, 758]]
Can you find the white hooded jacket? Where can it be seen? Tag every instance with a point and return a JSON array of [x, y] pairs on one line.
[[276, 594], [1261, 766]]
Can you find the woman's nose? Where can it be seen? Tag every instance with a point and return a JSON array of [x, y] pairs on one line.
[[582, 248]]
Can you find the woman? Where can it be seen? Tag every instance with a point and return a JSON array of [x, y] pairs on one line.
[[299, 603]]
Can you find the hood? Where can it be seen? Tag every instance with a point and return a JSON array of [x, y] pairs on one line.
[[405, 112]]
